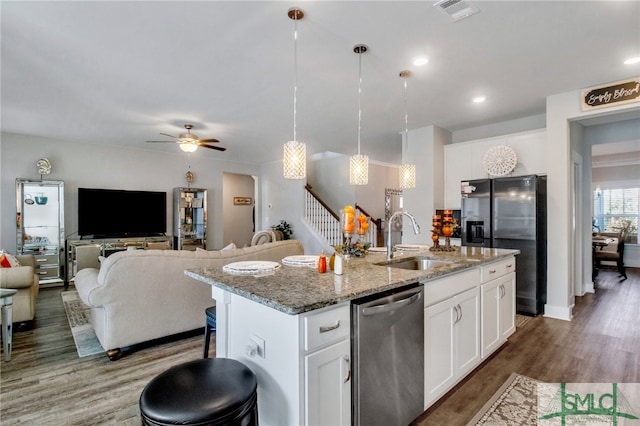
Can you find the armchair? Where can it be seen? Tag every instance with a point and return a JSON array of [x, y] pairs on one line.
[[24, 279]]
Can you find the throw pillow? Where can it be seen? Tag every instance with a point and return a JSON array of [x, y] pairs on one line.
[[8, 261], [229, 246]]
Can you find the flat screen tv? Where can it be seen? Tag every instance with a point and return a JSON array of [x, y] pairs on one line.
[[105, 213]]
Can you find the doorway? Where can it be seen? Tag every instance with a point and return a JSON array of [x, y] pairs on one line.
[[238, 209]]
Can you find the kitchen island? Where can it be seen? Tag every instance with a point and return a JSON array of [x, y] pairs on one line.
[[293, 326]]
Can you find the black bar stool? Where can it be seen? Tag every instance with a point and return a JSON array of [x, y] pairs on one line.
[[209, 327], [212, 391]]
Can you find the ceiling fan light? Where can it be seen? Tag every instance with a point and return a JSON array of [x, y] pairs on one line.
[[188, 146], [359, 170], [407, 176], [294, 164]]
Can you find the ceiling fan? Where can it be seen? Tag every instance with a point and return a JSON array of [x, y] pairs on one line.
[[189, 142]]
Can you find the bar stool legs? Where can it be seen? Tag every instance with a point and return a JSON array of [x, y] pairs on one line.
[[210, 327]]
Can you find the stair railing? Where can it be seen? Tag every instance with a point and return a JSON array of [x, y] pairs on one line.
[[327, 222]]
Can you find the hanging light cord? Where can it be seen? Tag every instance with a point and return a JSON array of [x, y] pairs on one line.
[[406, 123], [295, 73], [359, 96]]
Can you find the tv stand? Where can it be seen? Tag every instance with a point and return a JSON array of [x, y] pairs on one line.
[[84, 252]]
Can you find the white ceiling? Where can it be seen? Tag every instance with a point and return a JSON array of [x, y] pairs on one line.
[[120, 73]]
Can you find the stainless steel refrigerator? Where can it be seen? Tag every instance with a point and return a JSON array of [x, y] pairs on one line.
[[518, 220]]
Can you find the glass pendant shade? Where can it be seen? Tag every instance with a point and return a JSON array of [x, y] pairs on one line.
[[359, 170], [407, 176], [188, 146], [294, 164]]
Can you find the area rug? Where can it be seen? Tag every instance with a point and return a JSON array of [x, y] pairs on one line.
[[515, 403], [79, 316]]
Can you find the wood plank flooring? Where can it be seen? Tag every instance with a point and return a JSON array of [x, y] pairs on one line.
[[47, 384]]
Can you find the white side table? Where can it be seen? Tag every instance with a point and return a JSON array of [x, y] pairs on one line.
[[6, 305]]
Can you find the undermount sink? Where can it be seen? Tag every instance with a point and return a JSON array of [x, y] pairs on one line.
[[418, 263]]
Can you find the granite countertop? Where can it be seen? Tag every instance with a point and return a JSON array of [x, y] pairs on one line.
[[295, 290]]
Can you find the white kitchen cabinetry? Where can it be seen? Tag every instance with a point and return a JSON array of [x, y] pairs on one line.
[[327, 368], [452, 332], [302, 361], [498, 304], [328, 385], [464, 160]]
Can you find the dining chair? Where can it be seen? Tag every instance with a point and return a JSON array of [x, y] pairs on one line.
[[614, 256]]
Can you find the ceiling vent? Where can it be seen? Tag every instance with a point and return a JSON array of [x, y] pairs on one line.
[[457, 9]]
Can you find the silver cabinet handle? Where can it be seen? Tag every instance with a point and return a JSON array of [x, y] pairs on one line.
[[492, 271], [510, 265], [502, 291], [460, 310], [346, 359], [325, 328]]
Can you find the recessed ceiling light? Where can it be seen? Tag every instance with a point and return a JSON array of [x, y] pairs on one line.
[[420, 60], [632, 61], [479, 99]]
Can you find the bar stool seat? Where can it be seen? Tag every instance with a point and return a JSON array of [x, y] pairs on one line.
[[209, 327], [212, 391]]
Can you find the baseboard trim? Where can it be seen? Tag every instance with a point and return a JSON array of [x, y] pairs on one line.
[[558, 312]]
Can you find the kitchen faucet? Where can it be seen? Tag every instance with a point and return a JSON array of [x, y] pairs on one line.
[[416, 228]]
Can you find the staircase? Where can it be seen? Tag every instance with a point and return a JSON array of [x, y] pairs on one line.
[[326, 223]]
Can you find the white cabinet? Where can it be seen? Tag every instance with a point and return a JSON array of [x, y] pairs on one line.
[[302, 361], [452, 339], [327, 369], [498, 304], [328, 385], [464, 160]]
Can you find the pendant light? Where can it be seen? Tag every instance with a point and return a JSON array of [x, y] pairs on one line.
[[294, 163], [407, 171], [359, 164]]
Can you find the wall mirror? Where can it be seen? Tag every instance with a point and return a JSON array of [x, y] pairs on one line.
[[40, 226]]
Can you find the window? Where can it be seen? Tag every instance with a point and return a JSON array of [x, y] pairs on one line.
[[612, 205]]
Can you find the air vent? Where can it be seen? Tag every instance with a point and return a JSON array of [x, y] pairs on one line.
[[457, 9]]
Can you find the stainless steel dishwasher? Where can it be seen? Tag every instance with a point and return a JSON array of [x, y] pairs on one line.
[[387, 346]]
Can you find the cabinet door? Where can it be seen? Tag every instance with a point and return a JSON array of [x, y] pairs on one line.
[[467, 331], [328, 386], [439, 340], [457, 166], [507, 305], [490, 322]]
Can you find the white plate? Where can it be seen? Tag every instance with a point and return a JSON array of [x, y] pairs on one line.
[[251, 267], [409, 246], [377, 250], [301, 260]]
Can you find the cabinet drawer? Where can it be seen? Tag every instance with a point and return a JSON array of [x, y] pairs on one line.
[[46, 259], [47, 272], [326, 327], [497, 269], [444, 288]]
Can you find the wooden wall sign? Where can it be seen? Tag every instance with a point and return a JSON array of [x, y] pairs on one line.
[[618, 93]]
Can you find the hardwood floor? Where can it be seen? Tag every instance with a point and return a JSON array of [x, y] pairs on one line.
[[46, 382]]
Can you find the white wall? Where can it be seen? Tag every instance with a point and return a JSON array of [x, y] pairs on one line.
[[100, 166], [426, 151], [561, 110]]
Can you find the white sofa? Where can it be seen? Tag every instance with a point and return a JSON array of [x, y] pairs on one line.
[[142, 295]]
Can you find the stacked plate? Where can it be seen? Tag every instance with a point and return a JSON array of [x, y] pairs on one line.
[[251, 267], [410, 247], [377, 250], [301, 260]]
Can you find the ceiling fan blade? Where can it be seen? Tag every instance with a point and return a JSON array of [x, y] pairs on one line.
[[162, 141], [208, 140], [171, 136], [218, 148]]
